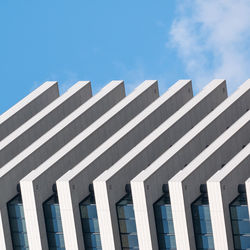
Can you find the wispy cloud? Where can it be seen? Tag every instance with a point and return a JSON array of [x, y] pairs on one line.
[[212, 39], [132, 76], [65, 80], [70, 79]]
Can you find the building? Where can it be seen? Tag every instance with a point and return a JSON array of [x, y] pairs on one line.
[[119, 172]]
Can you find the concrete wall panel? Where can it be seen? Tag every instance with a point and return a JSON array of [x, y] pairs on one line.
[[27, 107], [40, 123]]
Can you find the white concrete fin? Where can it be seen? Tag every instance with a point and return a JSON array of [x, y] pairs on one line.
[[80, 146], [247, 184], [125, 129], [60, 126], [213, 147], [232, 100], [160, 130], [222, 189], [107, 153], [110, 140], [27, 107], [12, 172], [40, 123], [199, 170], [147, 151], [174, 159]]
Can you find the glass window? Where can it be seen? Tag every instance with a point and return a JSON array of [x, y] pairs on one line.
[[53, 223], [127, 226], [126, 220], [129, 240], [164, 223], [202, 223], [240, 222], [17, 223], [90, 226]]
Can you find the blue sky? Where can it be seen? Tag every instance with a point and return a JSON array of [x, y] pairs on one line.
[[100, 41]]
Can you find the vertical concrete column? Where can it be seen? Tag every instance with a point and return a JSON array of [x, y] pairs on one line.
[[5, 239], [247, 184], [222, 190]]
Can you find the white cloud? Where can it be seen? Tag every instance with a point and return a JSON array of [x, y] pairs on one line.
[[212, 38]]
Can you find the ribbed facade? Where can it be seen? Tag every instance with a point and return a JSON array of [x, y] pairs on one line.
[[117, 172]]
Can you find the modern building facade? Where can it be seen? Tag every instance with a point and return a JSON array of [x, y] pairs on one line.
[[118, 172]]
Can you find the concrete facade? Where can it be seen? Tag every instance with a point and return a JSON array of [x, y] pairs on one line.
[[40, 150], [72, 153], [73, 187], [27, 107], [46, 119], [222, 190], [58, 146], [147, 186], [109, 187], [186, 183]]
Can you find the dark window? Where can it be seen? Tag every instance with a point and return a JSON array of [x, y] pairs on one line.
[[202, 223], [164, 223], [17, 223], [240, 222], [90, 226], [53, 223], [126, 220]]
